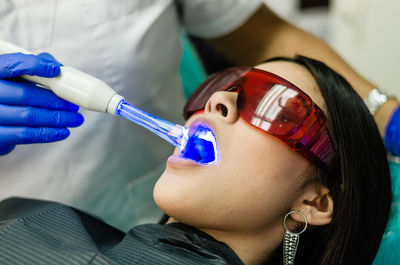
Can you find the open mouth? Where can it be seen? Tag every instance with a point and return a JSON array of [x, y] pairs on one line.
[[201, 145]]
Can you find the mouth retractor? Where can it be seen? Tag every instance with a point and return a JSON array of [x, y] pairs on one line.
[[201, 145]]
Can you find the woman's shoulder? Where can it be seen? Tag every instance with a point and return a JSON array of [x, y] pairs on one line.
[[37, 232], [176, 243]]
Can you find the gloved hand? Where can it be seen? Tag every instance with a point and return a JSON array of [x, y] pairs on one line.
[[30, 114], [392, 133]]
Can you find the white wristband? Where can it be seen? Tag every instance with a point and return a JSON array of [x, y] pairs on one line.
[[374, 100]]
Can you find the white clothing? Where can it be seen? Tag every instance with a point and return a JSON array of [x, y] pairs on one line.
[[108, 166]]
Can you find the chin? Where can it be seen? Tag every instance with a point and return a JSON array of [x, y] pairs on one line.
[[168, 194], [176, 197]]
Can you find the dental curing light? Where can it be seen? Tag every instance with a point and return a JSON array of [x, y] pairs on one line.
[[91, 93], [197, 143]]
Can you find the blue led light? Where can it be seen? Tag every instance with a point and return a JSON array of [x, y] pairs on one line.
[[199, 146]]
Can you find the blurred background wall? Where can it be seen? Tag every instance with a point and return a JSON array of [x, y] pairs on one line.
[[365, 32]]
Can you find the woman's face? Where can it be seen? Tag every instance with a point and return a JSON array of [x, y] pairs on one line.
[[257, 179]]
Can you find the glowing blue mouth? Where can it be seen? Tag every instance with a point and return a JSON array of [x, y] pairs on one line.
[[201, 146]]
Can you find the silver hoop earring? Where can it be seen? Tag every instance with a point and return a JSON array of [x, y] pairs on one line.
[[291, 240]]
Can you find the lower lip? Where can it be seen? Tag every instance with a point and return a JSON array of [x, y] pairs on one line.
[[179, 162]]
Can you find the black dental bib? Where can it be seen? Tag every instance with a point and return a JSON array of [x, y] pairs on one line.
[[41, 232]]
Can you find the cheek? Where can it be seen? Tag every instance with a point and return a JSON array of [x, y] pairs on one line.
[[255, 153], [263, 177]]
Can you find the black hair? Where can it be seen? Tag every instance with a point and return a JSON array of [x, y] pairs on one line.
[[359, 182]]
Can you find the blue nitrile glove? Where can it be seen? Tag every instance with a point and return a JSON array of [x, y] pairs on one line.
[[30, 114], [392, 133]]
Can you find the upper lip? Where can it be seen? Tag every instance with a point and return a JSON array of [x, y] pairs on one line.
[[201, 121]]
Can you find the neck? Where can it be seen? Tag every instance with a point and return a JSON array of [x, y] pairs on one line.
[[252, 248]]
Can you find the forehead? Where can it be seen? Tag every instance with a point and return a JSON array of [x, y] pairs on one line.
[[297, 75]]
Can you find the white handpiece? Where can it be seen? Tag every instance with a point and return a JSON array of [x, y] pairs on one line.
[[74, 86]]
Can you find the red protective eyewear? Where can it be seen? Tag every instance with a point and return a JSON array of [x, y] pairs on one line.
[[273, 105]]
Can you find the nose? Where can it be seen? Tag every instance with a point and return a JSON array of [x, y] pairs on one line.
[[223, 105]]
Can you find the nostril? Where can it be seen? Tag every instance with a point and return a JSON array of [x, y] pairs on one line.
[[223, 109]]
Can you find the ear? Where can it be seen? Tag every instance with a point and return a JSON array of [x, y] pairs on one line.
[[316, 204]]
